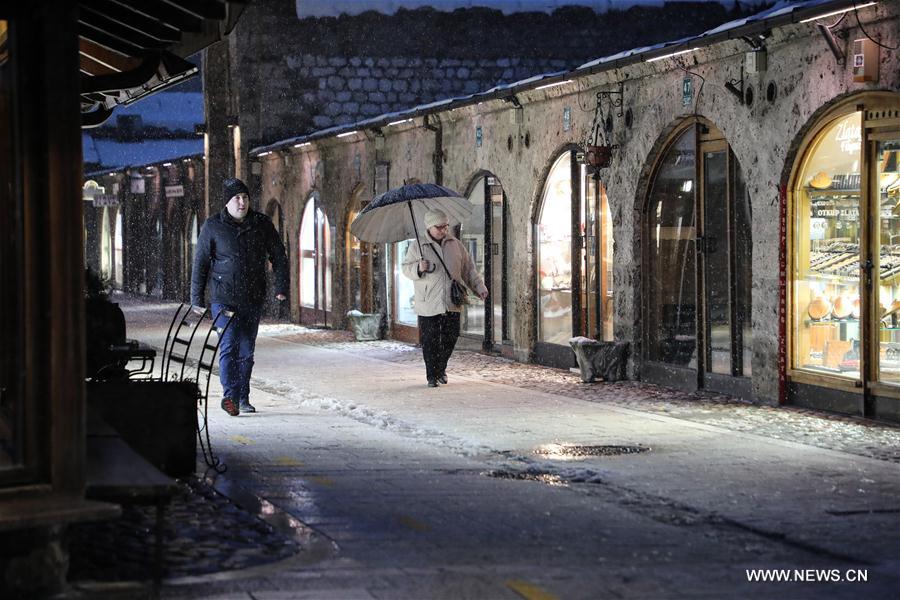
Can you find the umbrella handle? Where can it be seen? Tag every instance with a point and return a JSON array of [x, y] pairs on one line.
[[415, 228]]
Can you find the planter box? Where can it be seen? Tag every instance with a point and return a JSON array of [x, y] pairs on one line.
[[365, 327], [158, 419], [605, 360]]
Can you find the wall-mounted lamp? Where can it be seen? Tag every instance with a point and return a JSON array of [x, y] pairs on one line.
[[732, 86], [832, 44], [400, 122], [736, 86], [347, 133], [303, 145]]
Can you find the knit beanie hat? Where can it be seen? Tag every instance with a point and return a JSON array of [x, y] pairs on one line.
[[232, 187], [435, 217]]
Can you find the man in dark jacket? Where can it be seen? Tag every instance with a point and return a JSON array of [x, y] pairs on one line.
[[231, 254]]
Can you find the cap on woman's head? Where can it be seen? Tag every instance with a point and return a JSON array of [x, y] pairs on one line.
[[232, 187], [435, 217]]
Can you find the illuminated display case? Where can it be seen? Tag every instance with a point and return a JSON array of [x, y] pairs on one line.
[[832, 259], [827, 304]]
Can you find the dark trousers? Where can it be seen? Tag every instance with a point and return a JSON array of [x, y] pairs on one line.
[[236, 353], [438, 337]]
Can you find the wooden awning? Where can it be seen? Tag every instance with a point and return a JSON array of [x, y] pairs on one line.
[[132, 48]]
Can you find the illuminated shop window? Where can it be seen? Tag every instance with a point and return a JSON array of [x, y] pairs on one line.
[[554, 260], [826, 254], [404, 288]]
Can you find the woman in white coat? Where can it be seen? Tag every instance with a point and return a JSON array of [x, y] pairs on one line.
[[438, 316]]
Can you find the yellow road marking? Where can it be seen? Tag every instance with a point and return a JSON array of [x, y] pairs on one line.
[[413, 524], [241, 439], [287, 461], [529, 591], [321, 480]]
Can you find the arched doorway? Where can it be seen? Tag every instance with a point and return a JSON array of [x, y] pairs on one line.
[[359, 285], [315, 265], [485, 236], [697, 257], [574, 257], [844, 264]]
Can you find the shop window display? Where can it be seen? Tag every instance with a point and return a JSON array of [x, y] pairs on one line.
[[405, 288], [826, 290], [472, 237], [554, 244], [887, 188]]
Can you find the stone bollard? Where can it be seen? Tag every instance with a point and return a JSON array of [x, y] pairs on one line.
[[365, 326], [605, 360]]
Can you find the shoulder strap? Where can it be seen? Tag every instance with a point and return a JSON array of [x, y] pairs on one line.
[[443, 264]]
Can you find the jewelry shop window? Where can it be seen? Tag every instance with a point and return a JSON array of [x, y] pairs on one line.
[[826, 254]]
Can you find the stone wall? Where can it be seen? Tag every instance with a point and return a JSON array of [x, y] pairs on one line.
[[278, 75], [765, 137]]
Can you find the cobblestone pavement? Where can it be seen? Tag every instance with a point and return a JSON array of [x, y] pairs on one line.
[[203, 532], [824, 430]]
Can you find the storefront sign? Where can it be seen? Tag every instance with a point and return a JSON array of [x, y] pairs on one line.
[[478, 137], [567, 118], [849, 135], [846, 214], [137, 185], [106, 200], [174, 191]]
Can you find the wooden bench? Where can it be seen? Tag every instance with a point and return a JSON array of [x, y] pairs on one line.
[[116, 473]]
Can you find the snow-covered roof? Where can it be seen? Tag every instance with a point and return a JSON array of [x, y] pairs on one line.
[[782, 13], [333, 8], [112, 155], [170, 110]]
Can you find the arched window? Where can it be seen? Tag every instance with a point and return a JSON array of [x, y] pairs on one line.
[[315, 264], [554, 255], [844, 271]]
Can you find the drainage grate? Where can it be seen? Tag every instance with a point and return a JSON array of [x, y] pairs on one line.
[[573, 451]]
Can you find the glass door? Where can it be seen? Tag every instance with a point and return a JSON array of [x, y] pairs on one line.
[[886, 192], [596, 264], [497, 258], [699, 265], [716, 267]]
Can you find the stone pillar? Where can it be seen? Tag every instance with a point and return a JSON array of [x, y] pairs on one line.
[[218, 148]]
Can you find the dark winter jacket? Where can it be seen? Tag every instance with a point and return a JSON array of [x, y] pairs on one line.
[[232, 256]]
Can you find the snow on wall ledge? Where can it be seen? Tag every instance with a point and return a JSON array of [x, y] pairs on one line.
[[333, 8]]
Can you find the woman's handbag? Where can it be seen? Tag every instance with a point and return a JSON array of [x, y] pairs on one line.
[[459, 294]]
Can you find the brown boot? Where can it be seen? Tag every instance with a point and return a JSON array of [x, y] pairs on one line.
[[230, 406]]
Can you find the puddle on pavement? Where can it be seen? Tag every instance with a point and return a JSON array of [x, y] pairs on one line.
[[546, 478], [578, 451]]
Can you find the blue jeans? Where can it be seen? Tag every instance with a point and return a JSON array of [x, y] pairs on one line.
[[236, 352]]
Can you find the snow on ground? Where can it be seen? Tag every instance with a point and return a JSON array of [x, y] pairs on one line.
[[502, 462]]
